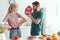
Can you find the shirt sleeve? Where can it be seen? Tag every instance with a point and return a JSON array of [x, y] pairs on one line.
[[6, 18], [40, 15], [18, 15]]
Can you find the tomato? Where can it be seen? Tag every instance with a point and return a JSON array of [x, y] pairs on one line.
[[15, 37], [28, 10]]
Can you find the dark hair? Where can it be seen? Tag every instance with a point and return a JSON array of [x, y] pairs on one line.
[[36, 3]]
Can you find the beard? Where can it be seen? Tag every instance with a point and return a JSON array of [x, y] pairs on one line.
[[34, 9]]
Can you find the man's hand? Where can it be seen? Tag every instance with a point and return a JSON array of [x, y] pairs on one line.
[[29, 15]]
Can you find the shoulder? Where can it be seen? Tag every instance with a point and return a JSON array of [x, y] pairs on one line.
[[7, 14], [32, 13], [40, 12], [18, 14]]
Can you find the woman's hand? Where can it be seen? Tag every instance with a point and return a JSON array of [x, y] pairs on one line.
[[20, 23], [7, 26]]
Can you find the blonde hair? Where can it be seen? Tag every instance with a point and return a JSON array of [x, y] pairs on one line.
[[11, 6]]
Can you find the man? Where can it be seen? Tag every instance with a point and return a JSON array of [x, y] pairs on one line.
[[36, 17]]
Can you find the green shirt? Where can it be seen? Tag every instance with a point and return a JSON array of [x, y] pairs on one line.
[[37, 27]]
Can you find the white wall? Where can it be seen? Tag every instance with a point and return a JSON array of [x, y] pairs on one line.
[[3, 8], [53, 16]]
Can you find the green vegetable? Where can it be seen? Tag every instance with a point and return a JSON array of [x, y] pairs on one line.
[[1, 29], [58, 33]]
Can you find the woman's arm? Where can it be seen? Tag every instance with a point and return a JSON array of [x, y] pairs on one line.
[[22, 21], [5, 19], [5, 22]]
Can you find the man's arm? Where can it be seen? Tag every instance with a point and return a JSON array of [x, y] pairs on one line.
[[36, 21]]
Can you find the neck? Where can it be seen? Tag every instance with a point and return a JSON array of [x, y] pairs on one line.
[[38, 9], [13, 12]]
